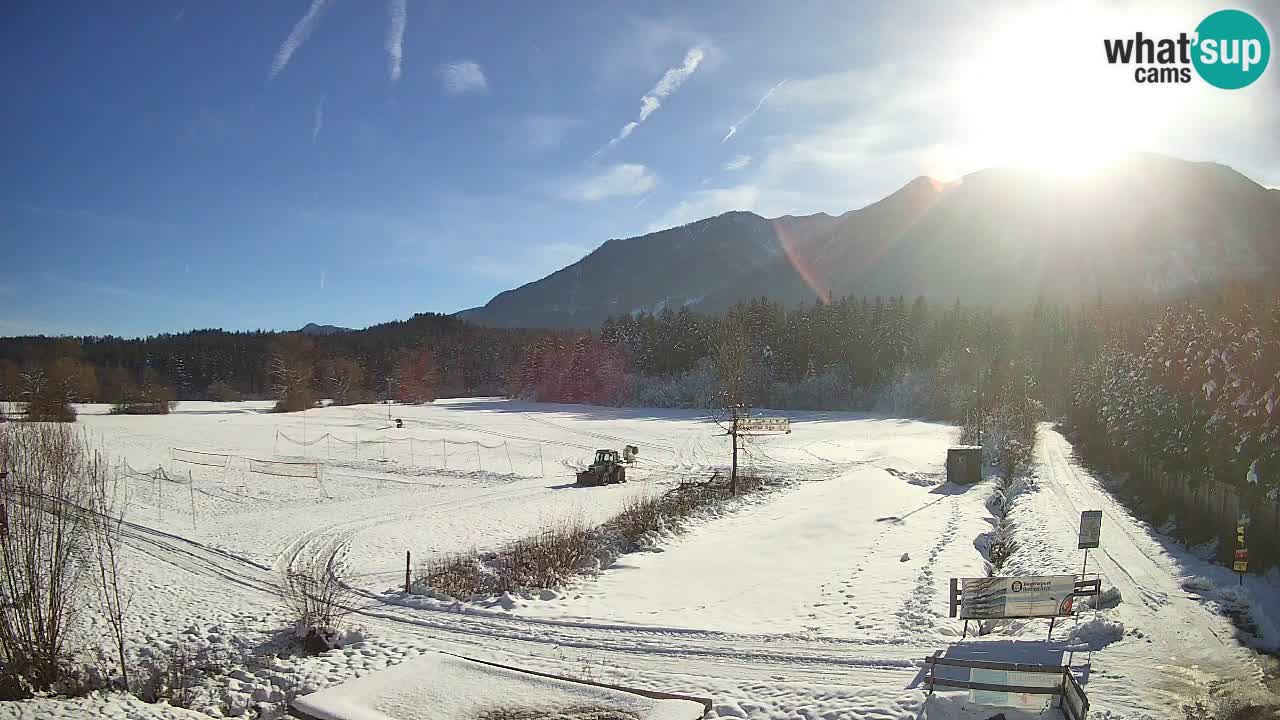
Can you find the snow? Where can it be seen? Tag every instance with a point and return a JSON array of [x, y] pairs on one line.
[[454, 687], [795, 604]]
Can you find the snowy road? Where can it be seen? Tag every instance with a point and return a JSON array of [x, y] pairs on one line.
[[818, 602]]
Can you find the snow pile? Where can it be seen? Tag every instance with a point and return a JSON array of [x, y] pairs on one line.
[[454, 687], [1097, 633]]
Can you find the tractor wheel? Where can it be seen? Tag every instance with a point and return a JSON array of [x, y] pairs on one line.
[[622, 474]]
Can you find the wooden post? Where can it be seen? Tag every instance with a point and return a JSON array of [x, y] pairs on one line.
[[506, 446], [191, 489], [733, 475], [406, 572], [444, 452], [540, 463], [478, 463], [411, 451]]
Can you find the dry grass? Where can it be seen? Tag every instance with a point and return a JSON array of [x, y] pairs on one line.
[[570, 548]]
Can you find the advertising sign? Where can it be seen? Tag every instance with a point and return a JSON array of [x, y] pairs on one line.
[[764, 424], [1090, 528], [1009, 597]]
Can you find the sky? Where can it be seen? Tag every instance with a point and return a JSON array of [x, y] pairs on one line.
[[244, 165]]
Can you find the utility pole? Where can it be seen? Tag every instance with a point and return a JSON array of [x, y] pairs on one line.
[[388, 398]]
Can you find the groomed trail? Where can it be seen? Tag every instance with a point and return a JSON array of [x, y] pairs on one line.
[[819, 600]]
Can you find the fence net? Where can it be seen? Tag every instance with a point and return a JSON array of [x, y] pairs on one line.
[[199, 457]]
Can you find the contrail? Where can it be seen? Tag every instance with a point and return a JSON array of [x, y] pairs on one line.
[[319, 123], [399, 10], [298, 36], [733, 129], [670, 81]]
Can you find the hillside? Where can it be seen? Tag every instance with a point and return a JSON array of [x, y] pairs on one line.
[[1148, 227]]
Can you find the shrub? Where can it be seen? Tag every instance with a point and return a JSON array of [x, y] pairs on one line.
[[150, 398], [53, 479], [47, 401], [318, 601]]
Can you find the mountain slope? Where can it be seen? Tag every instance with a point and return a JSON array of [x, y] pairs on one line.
[[670, 268], [1148, 227]]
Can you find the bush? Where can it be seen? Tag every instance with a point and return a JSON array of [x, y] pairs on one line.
[[299, 399], [318, 601], [147, 399], [53, 477]]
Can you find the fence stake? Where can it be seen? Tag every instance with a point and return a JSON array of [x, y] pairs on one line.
[[191, 489], [540, 464], [478, 464], [444, 452], [506, 446], [406, 572], [411, 462]]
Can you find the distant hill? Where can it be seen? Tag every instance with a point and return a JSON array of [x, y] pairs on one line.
[[1148, 227], [314, 329]]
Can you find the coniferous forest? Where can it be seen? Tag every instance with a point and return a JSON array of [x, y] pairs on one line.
[[1193, 384]]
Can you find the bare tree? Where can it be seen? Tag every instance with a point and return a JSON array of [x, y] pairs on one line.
[[47, 400], [290, 370], [730, 357], [345, 378]]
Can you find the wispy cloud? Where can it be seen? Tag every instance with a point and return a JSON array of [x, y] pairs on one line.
[[399, 12], [733, 129], [737, 163], [318, 125], [625, 179], [301, 31], [463, 76], [670, 81]]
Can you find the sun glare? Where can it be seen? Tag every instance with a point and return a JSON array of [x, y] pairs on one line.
[[1038, 94]]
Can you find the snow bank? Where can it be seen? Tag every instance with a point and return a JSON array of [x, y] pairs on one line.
[[453, 687], [1097, 633]]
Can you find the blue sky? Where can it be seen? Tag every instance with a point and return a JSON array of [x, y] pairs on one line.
[[171, 165]]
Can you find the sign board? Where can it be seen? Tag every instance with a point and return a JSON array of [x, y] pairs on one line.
[[1005, 698], [1090, 529], [764, 424], [1043, 596], [1240, 566], [1242, 554]]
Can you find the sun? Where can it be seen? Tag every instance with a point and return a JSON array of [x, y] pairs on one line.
[[1036, 93]]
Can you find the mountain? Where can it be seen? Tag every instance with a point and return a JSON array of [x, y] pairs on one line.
[[666, 269], [314, 329], [1147, 227]]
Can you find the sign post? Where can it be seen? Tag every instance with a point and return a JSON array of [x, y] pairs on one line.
[[1241, 564], [1090, 535]]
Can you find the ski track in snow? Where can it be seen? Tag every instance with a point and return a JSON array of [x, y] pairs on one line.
[[795, 606]]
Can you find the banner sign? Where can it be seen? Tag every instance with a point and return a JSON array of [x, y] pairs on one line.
[[764, 424], [1008, 597], [1090, 529]]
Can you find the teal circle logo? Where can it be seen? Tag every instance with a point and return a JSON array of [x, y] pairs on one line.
[[1232, 49]]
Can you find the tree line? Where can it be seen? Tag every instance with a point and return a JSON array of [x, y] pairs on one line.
[[1196, 384]]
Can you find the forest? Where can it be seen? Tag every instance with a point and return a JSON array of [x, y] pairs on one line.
[[1194, 384]]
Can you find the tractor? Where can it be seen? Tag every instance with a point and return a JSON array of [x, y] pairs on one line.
[[606, 470]]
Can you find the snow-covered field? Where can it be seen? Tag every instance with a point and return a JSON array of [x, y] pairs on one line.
[[819, 600]]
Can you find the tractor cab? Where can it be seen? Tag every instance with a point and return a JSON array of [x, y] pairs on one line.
[[606, 470]]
